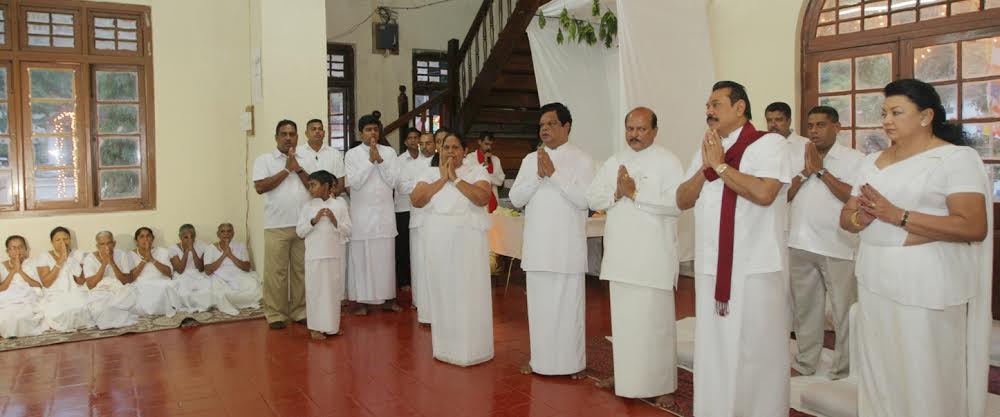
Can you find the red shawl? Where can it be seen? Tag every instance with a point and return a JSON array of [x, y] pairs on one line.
[[727, 223], [489, 168]]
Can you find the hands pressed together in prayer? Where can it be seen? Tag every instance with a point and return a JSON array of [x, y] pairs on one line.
[[712, 153], [373, 156], [626, 184], [813, 160], [545, 166], [61, 254], [324, 212], [872, 205], [105, 255], [448, 170], [292, 164]]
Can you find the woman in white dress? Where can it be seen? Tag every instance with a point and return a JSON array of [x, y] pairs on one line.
[[152, 276], [193, 286], [924, 267], [20, 293], [453, 198], [112, 300], [64, 300], [228, 264]]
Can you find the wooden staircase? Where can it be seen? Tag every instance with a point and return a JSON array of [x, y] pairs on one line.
[[492, 84]]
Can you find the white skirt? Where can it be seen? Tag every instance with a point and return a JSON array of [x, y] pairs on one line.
[[911, 359], [460, 291], [418, 280], [644, 349], [371, 270], [113, 308], [194, 290], [21, 314], [241, 289], [556, 322], [157, 297], [324, 291]]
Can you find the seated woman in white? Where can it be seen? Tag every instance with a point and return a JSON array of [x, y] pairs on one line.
[[228, 264], [112, 301], [454, 198], [20, 293], [152, 276], [64, 299], [193, 286]]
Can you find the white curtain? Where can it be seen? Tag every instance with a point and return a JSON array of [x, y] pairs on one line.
[[663, 61]]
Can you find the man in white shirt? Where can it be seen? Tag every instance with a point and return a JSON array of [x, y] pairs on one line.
[[741, 281], [316, 154], [821, 254], [552, 187], [779, 120], [279, 176], [637, 187], [418, 265], [372, 171], [401, 200], [484, 156]]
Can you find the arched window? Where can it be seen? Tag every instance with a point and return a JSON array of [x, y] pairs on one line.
[[853, 48]]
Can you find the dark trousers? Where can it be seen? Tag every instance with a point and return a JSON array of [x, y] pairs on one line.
[[403, 249]]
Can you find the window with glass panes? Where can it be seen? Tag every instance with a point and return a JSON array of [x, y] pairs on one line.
[[75, 134], [430, 78], [340, 94]]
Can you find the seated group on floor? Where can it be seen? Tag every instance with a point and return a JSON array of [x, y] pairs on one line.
[[66, 289]]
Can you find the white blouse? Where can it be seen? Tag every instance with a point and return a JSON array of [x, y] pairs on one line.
[[149, 272], [91, 265], [449, 201], [931, 275], [72, 268]]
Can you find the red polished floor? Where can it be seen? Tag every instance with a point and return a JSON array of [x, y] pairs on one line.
[[381, 367]]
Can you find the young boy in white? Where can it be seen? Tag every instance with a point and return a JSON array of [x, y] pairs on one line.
[[325, 225]]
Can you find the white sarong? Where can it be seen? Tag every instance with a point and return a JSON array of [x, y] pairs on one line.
[[645, 340], [324, 291], [556, 322], [371, 270]]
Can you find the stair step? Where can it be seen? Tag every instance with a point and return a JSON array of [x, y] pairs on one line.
[[528, 101], [497, 115], [517, 82]]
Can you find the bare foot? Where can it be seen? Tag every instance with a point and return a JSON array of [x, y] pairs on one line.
[[665, 401], [606, 383], [579, 375], [391, 306], [315, 335], [526, 368], [361, 310]]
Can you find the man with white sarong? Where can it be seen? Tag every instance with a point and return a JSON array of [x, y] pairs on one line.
[[454, 196], [112, 300], [326, 226], [741, 284], [227, 263], [551, 185], [637, 187], [411, 172], [372, 172]]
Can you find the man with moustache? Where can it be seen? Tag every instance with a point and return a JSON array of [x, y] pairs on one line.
[[317, 155], [419, 288], [401, 201], [779, 120], [821, 254], [741, 281], [279, 176], [484, 156], [637, 187]]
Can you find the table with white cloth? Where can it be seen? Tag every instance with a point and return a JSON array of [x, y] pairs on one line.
[[506, 236]]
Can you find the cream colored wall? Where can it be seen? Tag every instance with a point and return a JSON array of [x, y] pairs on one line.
[[379, 76], [756, 43], [200, 86]]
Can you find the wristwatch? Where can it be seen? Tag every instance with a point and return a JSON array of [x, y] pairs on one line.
[[820, 173]]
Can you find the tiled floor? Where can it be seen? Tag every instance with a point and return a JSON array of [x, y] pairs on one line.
[[382, 367]]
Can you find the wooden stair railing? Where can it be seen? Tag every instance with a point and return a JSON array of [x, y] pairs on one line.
[[421, 112]]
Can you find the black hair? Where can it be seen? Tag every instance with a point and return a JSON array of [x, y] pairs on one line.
[[736, 93], [283, 123], [442, 129], [926, 97], [436, 159], [488, 135], [11, 238], [139, 230], [369, 119], [323, 177], [311, 121], [780, 106], [653, 121], [562, 112], [828, 111], [58, 229]]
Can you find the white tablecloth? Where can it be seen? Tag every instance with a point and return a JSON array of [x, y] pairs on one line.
[[506, 236]]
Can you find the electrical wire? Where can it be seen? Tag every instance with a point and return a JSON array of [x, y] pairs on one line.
[[374, 12]]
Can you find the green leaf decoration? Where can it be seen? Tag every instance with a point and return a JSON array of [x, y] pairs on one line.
[[596, 9], [564, 19], [582, 30], [572, 30], [541, 21], [559, 37]]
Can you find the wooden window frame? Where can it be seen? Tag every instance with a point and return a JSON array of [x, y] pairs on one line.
[[92, 33], [10, 31], [428, 88], [348, 84], [19, 55]]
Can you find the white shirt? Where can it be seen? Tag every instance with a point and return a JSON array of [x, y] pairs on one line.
[[228, 269], [931, 275], [408, 181], [496, 178], [91, 264], [814, 219], [73, 267], [405, 184], [281, 208], [555, 208], [640, 237], [324, 240], [327, 158], [149, 272], [759, 241], [449, 201], [199, 250], [372, 207]]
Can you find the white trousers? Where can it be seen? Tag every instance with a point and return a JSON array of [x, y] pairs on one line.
[[556, 322]]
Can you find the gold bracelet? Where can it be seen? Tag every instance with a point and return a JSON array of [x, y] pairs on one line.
[[854, 219], [719, 169]]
